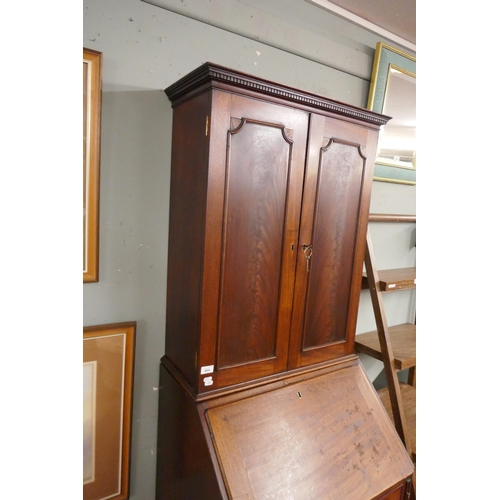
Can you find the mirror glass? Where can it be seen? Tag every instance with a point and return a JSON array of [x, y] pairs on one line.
[[397, 141]]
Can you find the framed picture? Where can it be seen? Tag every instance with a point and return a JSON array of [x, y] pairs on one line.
[[92, 63], [108, 373], [393, 93]]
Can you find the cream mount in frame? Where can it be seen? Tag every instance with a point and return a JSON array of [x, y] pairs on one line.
[[393, 93], [108, 379]]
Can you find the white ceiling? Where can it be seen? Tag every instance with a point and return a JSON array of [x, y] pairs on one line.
[[394, 19]]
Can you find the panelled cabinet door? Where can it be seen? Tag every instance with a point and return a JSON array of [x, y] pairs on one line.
[[332, 233], [254, 199]]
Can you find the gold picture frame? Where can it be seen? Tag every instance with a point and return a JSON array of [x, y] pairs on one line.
[[92, 93], [108, 374]]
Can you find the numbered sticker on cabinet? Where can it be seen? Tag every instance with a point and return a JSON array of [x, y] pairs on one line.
[[208, 381], [207, 369]]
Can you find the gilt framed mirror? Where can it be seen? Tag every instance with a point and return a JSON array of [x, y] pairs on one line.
[[393, 93]]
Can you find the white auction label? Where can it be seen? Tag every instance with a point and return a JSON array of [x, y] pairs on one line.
[[207, 369]]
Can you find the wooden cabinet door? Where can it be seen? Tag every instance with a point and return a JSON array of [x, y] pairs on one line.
[[257, 157], [331, 242]]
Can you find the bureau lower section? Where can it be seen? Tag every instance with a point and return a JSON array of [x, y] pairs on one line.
[[322, 434]]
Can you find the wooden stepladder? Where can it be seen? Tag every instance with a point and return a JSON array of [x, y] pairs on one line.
[[394, 345]]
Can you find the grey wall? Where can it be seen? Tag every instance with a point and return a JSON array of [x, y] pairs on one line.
[[146, 48]]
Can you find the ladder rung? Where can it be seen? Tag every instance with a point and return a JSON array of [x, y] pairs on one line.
[[392, 218], [403, 342]]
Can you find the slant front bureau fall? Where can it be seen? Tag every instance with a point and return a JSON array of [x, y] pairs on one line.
[[261, 394]]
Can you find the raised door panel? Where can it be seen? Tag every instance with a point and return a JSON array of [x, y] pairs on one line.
[[258, 167], [331, 234], [253, 226]]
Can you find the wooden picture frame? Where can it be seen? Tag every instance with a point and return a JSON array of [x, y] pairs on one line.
[[397, 100], [108, 374], [92, 92]]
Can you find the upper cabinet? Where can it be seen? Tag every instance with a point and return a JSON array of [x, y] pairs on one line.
[[270, 193]]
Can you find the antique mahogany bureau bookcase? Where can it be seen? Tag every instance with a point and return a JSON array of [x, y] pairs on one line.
[[261, 393]]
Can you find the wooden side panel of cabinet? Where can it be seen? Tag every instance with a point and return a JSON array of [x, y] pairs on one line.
[[186, 464], [332, 233], [188, 194]]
